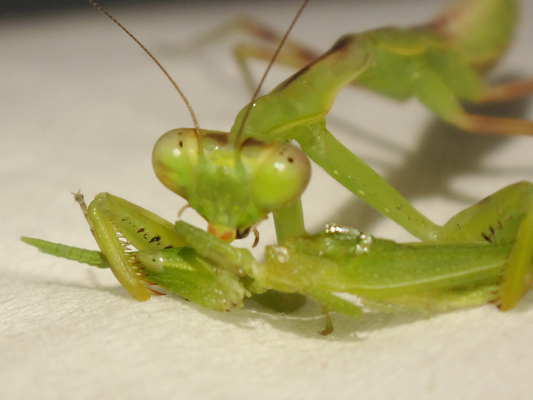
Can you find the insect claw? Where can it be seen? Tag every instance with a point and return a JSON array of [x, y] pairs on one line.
[[256, 234], [182, 209]]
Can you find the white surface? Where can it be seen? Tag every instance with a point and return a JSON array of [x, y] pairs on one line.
[[82, 106]]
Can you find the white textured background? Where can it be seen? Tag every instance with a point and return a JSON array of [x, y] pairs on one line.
[[81, 107]]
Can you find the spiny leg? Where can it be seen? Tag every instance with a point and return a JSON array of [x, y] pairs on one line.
[[116, 224], [178, 269]]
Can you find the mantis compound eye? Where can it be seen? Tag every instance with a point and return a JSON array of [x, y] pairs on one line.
[[174, 158], [281, 177]]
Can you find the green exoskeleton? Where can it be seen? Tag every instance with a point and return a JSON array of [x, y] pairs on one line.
[[438, 63], [485, 256], [235, 179]]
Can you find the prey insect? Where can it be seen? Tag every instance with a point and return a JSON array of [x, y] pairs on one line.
[[234, 180]]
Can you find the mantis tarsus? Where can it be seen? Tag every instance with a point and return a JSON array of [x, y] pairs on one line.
[[235, 179]]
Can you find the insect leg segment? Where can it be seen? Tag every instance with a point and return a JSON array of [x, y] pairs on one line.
[[118, 224], [350, 171], [507, 91], [443, 98], [292, 54], [289, 221], [519, 266], [196, 278], [504, 217], [238, 261]]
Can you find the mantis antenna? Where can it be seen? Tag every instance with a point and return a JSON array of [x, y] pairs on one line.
[[256, 93], [193, 116]]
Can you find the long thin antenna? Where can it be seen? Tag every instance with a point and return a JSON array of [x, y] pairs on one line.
[[272, 60], [194, 119]]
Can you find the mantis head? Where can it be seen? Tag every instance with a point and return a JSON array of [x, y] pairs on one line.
[[233, 193], [232, 184]]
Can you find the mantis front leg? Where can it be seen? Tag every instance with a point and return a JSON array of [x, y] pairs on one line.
[[131, 239], [349, 170], [119, 225]]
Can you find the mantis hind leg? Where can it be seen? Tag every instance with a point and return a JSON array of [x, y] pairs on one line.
[[503, 217], [507, 91], [443, 99], [505, 126]]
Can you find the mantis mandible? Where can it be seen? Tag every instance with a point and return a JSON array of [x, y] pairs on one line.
[[235, 179]]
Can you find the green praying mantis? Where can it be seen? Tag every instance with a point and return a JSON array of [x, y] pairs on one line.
[[236, 179]]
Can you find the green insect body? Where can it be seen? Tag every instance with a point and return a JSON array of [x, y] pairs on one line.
[[339, 261], [492, 267], [428, 62], [234, 180], [439, 63], [343, 261]]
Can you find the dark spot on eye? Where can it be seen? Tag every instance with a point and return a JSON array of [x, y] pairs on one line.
[[290, 159], [155, 239]]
